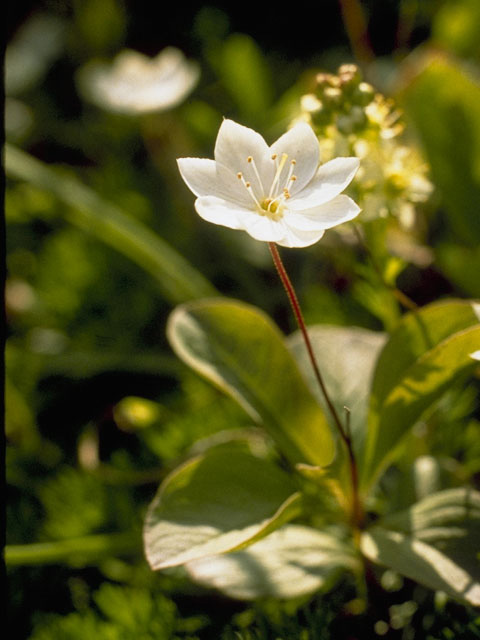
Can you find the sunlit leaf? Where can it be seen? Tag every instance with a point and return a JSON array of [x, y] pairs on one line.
[[427, 352], [289, 563], [346, 357], [435, 542], [216, 503], [238, 348]]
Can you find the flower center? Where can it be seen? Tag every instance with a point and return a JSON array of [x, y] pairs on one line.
[[272, 205]]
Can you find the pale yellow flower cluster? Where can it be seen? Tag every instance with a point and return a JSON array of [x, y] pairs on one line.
[[351, 119]]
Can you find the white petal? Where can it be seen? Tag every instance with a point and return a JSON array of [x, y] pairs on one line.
[[205, 177], [222, 212], [231, 188], [296, 239], [340, 209], [200, 175], [330, 180], [263, 228], [300, 144], [235, 144]]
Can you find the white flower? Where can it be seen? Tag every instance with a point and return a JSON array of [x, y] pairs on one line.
[[276, 194], [135, 84]]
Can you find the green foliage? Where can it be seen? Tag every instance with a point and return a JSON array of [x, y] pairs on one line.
[[341, 353], [451, 137], [429, 349], [124, 613], [75, 504], [289, 563], [237, 347], [103, 242], [177, 279], [246, 76], [456, 27], [215, 503], [435, 542]]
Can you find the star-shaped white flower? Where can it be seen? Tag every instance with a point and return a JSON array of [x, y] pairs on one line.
[[135, 84], [276, 194]]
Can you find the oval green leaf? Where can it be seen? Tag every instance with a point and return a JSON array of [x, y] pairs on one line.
[[427, 352], [238, 348], [215, 503], [291, 562], [434, 542], [346, 357]]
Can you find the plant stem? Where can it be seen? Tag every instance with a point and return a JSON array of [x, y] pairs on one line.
[[83, 550], [356, 514], [404, 300]]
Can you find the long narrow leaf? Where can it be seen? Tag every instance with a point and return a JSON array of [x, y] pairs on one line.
[[179, 281]]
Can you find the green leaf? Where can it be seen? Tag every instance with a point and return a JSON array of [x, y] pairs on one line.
[[461, 265], [456, 26], [215, 503], [291, 562], [238, 348], [435, 542], [246, 75], [451, 136], [428, 351], [346, 357], [177, 278]]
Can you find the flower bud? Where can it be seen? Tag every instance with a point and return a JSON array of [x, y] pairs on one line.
[[363, 94], [350, 76], [333, 97]]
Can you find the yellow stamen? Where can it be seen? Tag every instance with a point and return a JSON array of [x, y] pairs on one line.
[[251, 161], [277, 174]]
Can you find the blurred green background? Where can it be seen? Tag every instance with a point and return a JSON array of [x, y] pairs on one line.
[[103, 241]]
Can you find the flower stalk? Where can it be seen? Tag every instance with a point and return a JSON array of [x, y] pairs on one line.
[[356, 514]]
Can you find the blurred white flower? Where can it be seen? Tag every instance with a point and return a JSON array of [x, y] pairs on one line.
[[276, 194], [135, 84]]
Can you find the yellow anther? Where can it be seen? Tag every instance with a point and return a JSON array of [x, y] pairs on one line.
[[293, 178], [247, 184], [249, 159], [239, 175]]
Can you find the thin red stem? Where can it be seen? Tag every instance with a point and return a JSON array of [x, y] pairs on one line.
[[292, 296], [344, 433]]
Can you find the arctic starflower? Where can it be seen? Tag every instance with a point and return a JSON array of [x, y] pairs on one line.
[[136, 84], [276, 194]]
